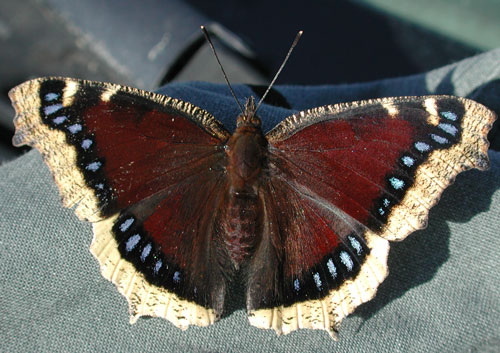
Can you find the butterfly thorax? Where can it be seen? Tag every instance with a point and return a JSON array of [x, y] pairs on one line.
[[246, 151]]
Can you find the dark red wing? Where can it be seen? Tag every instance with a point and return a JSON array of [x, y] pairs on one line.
[[111, 146], [366, 158], [150, 170], [174, 241], [341, 180], [314, 264]]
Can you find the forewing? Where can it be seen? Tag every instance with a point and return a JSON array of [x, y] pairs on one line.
[[149, 170], [341, 181], [109, 146], [384, 162]]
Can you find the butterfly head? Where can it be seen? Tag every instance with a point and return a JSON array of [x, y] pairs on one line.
[[248, 117]]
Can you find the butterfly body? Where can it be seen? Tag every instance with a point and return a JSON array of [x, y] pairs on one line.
[[179, 204], [246, 163]]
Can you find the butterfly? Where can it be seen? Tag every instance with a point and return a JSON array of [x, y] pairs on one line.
[[304, 213]]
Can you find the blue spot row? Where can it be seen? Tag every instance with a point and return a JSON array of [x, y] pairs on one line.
[[139, 249], [346, 258]]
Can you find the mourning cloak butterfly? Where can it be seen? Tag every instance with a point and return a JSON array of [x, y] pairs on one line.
[[178, 204]]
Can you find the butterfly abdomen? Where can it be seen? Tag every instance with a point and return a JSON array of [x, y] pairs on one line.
[[241, 224]]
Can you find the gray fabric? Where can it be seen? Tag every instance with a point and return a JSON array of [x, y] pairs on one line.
[[442, 293]]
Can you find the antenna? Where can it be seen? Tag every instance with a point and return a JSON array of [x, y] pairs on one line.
[[295, 41], [205, 32]]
